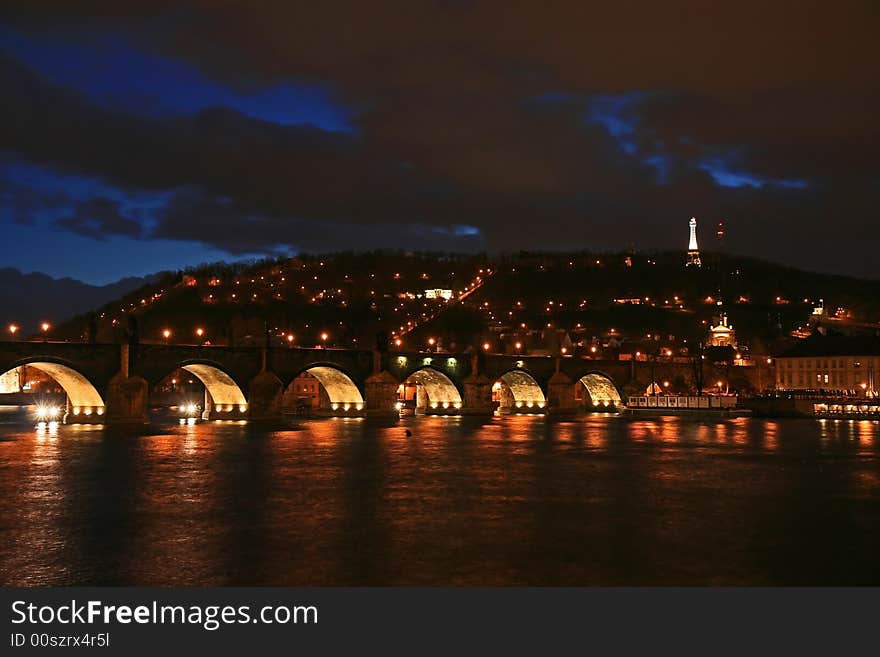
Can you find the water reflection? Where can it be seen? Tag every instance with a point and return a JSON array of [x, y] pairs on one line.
[[505, 500], [866, 431]]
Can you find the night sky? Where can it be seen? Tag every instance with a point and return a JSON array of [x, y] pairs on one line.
[[140, 136]]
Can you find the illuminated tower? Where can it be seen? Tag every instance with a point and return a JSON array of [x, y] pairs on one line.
[[693, 250]]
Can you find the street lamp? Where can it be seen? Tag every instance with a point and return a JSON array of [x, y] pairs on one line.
[[486, 346], [200, 332], [290, 338], [431, 342], [45, 326], [13, 329], [166, 334], [324, 337]]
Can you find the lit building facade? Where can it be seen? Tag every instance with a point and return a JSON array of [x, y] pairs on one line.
[[10, 382], [304, 392], [722, 334], [831, 364]]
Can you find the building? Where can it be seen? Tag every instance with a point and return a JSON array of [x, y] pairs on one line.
[[303, 393], [831, 364], [438, 293], [693, 259], [721, 334], [10, 382]]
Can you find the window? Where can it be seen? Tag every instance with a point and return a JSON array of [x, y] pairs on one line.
[[825, 378]]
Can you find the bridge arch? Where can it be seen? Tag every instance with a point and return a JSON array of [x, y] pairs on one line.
[[337, 390], [226, 394], [600, 390], [518, 390], [84, 397], [435, 391]]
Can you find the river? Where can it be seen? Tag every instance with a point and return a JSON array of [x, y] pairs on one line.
[[517, 500]]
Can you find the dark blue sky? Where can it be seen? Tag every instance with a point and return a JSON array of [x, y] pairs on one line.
[[112, 74], [159, 135]]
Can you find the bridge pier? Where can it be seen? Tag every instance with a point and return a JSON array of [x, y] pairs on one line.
[[126, 399], [208, 407], [560, 395], [477, 398], [380, 395], [127, 396], [264, 397]]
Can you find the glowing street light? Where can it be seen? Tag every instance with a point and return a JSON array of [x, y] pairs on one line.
[[486, 346], [45, 326], [166, 334], [398, 342], [13, 329], [290, 338], [200, 332], [518, 346]]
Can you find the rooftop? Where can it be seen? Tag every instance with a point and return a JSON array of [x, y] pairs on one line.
[[836, 345]]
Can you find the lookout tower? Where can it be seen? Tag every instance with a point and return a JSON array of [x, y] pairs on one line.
[[693, 259]]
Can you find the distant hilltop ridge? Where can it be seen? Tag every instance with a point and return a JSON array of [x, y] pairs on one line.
[[26, 300]]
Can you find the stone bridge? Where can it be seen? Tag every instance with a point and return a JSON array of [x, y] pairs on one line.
[[113, 382]]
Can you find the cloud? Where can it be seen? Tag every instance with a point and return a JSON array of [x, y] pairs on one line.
[[554, 126], [99, 218], [239, 231], [22, 203]]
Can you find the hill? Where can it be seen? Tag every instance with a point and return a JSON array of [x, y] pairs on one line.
[[537, 300]]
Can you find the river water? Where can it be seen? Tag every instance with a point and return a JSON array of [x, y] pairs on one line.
[[463, 501]]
